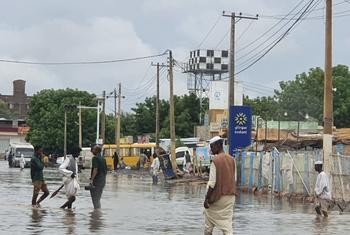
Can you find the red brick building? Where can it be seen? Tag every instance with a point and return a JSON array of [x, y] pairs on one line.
[[18, 102]]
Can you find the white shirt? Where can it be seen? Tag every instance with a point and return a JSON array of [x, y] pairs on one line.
[[212, 176], [67, 173], [322, 189], [155, 165]]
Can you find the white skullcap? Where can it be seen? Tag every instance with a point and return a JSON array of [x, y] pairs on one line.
[[318, 163], [214, 139]]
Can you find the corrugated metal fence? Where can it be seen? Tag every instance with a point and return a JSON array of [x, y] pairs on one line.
[[292, 172]]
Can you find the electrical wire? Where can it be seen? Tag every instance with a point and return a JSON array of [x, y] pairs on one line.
[[146, 90], [279, 39], [317, 17], [306, 11], [222, 39], [264, 42], [144, 86], [209, 32], [269, 30], [84, 62], [245, 31], [279, 16]]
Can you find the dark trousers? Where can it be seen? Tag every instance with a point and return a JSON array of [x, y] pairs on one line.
[[96, 193]]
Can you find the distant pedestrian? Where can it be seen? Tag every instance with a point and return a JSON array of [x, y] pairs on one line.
[[220, 198], [98, 176], [142, 160], [36, 173], [46, 160], [322, 191], [155, 168], [115, 161], [187, 163], [7, 154], [22, 162], [69, 170], [10, 159]]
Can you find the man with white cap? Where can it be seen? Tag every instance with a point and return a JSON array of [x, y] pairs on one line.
[[322, 190], [220, 198]]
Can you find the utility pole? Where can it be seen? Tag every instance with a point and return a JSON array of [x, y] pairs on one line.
[[80, 128], [172, 114], [157, 109], [328, 92], [98, 121], [118, 120], [103, 118], [65, 134], [231, 69], [157, 101], [115, 116]]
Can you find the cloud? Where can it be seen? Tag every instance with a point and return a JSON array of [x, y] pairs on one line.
[[63, 40]]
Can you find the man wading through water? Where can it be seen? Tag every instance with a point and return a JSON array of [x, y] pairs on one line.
[[36, 173], [322, 190], [69, 170], [220, 198], [98, 176]]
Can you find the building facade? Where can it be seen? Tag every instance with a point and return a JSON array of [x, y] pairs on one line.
[[18, 102]]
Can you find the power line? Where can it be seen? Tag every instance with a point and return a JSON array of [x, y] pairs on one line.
[[209, 32], [84, 62], [279, 16], [265, 41], [269, 30], [245, 31], [144, 86], [316, 17], [282, 37]]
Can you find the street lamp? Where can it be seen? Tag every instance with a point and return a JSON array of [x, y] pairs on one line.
[[285, 114]]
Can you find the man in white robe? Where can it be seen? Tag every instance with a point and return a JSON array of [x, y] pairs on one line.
[[322, 190], [69, 170]]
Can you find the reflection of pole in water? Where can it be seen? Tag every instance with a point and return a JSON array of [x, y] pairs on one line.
[[69, 221], [96, 220]]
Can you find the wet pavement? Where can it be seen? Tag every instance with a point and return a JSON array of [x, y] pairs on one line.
[[132, 205]]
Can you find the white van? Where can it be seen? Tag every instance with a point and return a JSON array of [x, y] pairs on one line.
[[181, 153], [17, 149]]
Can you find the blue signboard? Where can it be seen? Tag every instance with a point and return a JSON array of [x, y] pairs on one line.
[[240, 127]]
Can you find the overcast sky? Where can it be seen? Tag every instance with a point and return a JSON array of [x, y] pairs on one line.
[[84, 30]]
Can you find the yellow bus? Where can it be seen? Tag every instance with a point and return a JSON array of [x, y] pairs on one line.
[[130, 154]]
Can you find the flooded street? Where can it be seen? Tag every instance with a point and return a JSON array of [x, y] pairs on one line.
[[131, 205]]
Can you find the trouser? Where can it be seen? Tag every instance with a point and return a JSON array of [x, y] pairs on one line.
[[96, 193], [155, 179], [219, 214], [37, 186]]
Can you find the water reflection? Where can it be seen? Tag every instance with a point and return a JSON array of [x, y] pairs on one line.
[[37, 218], [96, 220], [321, 225], [69, 221]]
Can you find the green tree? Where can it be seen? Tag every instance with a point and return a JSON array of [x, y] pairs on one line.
[[266, 107], [46, 119], [304, 95], [144, 114], [4, 111]]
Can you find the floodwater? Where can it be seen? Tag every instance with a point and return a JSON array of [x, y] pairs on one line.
[[132, 205]]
